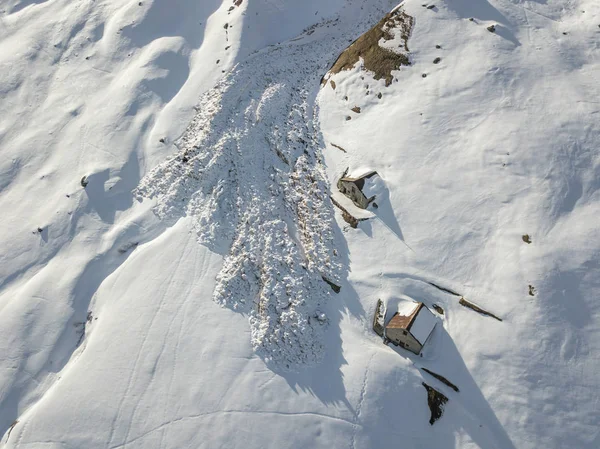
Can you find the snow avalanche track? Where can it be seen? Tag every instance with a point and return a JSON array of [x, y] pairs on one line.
[[178, 296], [250, 174]]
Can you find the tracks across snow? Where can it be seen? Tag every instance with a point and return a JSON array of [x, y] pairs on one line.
[[249, 170]]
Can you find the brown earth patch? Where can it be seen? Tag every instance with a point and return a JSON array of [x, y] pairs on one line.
[[381, 61]]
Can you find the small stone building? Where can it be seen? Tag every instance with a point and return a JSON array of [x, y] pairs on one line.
[[411, 326], [353, 188]]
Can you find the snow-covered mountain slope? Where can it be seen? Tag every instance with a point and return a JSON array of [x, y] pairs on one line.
[[212, 114]]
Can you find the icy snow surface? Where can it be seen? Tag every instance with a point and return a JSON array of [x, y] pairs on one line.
[[112, 333]]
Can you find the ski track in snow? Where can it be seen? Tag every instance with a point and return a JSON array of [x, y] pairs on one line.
[[250, 172]]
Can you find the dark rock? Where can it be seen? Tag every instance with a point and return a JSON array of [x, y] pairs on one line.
[[437, 60], [441, 379], [336, 288], [444, 289], [470, 305], [84, 182], [492, 28], [436, 402]]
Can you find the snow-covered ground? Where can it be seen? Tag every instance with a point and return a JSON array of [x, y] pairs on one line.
[[211, 113]]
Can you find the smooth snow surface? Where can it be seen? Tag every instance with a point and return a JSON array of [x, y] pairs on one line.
[[423, 325], [178, 301]]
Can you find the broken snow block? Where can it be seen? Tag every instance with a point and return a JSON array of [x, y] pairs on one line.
[[436, 402]]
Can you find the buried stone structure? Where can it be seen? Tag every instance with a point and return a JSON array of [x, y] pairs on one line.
[[357, 189]]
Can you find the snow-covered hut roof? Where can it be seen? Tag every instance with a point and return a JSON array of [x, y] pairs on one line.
[[359, 180], [416, 318]]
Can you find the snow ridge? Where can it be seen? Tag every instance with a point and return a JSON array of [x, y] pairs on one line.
[[249, 170]]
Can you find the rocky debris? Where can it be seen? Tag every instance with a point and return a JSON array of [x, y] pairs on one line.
[[338, 147], [436, 402], [356, 109], [444, 289], [336, 288], [10, 429], [332, 84], [128, 247], [438, 309], [347, 216], [441, 379], [470, 305]]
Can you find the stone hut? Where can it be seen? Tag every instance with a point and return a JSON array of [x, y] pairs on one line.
[[411, 326], [354, 188]]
